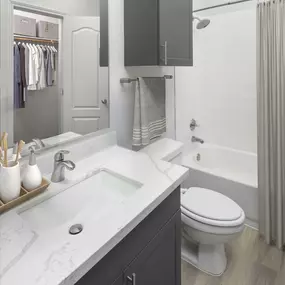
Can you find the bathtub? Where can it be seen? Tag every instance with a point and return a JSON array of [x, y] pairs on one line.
[[228, 171]]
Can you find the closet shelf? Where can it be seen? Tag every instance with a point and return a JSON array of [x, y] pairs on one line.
[[34, 39]]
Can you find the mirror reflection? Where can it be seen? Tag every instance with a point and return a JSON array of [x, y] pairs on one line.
[[60, 78]]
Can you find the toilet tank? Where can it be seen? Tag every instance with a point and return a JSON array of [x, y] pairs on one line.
[[165, 149]]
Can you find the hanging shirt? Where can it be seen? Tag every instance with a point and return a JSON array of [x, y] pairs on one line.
[[55, 70], [49, 67], [23, 76], [32, 68], [17, 77], [53, 65], [42, 80], [37, 63], [27, 58]]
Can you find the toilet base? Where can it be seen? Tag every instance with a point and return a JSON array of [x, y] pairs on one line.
[[210, 259]]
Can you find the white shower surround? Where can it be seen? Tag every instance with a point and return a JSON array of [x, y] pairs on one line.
[[227, 171], [219, 91]]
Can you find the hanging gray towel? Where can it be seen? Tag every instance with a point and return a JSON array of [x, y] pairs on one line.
[[149, 115]]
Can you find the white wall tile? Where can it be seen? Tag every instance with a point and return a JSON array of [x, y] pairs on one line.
[[220, 89]]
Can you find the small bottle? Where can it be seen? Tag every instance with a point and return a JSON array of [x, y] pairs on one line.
[[33, 177]]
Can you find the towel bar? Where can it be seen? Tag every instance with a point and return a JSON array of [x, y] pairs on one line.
[[130, 80]]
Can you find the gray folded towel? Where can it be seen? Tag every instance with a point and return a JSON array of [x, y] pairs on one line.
[[149, 115]]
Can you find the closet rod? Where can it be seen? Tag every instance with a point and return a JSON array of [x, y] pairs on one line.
[[34, 39], [129, 80]]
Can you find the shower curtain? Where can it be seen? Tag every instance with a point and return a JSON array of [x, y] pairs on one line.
[[271, 119]]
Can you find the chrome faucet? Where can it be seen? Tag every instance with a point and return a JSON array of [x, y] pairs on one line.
[[60, 164], [195, 139], [39, 144]]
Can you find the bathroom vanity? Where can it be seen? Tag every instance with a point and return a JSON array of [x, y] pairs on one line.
[[128, 205], [150, 254]]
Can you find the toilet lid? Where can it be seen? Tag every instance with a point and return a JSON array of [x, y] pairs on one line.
[[206, 205]]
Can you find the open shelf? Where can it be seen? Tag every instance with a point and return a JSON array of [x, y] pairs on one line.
[[34, 39]]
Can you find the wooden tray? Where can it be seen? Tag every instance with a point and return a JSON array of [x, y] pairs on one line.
[[24, 196]]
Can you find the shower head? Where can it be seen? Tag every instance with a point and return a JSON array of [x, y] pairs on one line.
[[202, 23]]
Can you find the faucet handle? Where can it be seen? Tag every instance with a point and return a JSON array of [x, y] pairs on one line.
[[59, 156], [193, 125]]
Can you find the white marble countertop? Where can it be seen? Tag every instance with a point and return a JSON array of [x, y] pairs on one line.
[[28, 256]]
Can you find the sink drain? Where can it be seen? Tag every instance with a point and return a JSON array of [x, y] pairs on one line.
[[76, 229]]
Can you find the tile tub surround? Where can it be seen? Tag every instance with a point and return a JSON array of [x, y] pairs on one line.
[[54, 256]]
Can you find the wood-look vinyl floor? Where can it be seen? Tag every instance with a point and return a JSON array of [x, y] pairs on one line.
[[250, 262]]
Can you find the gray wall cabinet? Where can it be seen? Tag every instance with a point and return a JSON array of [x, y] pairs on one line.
[[149, 255], [158, 33], [104, 33]]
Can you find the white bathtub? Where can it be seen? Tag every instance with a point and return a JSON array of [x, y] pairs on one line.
[[228, 171]]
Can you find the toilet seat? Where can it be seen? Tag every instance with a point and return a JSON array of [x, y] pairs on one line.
[[211, 208]]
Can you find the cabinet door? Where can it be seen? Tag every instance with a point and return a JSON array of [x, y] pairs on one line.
[[176, 43], [160, 262], [141, 32], [104, 33]]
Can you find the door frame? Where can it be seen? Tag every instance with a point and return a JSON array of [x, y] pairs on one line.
[[7, 103]]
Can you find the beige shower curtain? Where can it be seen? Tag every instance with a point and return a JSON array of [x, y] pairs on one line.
[[271, 119]]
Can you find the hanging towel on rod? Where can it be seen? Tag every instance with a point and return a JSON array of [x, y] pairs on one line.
[[149, 111]]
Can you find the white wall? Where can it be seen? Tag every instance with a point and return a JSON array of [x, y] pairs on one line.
[[200, 4], [72, 7], [220, 89], [122, 96]]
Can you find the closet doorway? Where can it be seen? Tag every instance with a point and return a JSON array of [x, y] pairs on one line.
[[75, 96], [37, 104]]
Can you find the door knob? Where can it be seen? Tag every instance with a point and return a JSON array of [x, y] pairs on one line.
[[105, 101]]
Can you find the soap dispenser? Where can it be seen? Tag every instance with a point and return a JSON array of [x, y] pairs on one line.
[[33, 177]]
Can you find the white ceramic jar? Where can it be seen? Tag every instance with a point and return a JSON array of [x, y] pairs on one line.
[[10, 182]]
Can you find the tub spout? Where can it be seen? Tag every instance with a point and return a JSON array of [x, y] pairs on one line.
[[195, 139]]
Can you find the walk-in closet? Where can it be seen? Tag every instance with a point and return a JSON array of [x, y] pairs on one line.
[[36, 54]]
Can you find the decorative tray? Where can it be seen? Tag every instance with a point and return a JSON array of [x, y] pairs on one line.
[[24, 196]]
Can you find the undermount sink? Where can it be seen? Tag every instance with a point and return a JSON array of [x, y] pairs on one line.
[[99, 192]]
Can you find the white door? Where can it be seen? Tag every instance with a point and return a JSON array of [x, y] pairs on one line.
[[85, 84]]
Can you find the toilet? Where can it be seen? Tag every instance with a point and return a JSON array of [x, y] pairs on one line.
[[209, 219]]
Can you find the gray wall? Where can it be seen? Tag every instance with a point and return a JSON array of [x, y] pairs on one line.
[[40, 118]]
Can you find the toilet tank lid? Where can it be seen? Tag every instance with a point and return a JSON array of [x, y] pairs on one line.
[[210, 205], [164, 149]]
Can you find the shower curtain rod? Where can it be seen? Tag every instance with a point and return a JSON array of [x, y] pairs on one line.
[[221, 5]]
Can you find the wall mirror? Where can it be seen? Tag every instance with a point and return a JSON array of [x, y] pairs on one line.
[[54, 75]]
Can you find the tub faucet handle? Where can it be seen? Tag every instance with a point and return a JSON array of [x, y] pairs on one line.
[[193, 125]]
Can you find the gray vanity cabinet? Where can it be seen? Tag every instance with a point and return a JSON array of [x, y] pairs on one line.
[[158, 33], [157, 264], [149, 255]]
